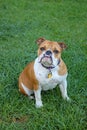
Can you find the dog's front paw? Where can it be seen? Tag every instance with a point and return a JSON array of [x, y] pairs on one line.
[[39, 104], [67, 99]]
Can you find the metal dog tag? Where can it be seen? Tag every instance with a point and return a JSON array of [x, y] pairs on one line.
[[50, 74]]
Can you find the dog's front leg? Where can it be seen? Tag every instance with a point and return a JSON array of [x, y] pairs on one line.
[[63, 89], [38, 98]]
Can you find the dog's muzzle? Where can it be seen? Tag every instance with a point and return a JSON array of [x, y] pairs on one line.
[[46, 60]]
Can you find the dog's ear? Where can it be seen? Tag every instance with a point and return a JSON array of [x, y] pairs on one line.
[[62, 45], [40, 40]]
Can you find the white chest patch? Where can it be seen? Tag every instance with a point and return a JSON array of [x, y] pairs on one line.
[[41, 74]]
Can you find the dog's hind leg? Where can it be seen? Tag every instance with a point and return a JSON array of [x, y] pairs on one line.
[[23, 89]]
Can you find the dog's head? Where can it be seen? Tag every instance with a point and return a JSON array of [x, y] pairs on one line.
[[49, 52]]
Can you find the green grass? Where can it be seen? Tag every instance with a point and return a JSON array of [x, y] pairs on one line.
[[21, 23]]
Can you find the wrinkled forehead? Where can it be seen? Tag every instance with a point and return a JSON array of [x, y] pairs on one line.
[[50, 45]]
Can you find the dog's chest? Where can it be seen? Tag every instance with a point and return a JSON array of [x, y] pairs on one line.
[[47, 82]]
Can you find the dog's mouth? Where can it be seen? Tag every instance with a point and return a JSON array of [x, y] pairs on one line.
[[46, 61]]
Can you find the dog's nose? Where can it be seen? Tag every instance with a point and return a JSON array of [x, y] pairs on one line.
[[48, 52]]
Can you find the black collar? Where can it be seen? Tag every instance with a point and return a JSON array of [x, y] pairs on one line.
[[51, 67]]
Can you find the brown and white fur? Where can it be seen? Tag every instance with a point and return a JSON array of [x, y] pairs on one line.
[[34, 77]]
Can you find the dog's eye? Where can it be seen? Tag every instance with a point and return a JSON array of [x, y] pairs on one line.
[[42, 48], [56, 51]]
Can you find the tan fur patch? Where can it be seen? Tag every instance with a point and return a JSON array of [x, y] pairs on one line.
[[62, 68], [27, 77]]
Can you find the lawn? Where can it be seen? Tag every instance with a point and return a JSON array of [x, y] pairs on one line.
[[21, 23]]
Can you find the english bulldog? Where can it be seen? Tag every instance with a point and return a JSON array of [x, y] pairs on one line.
[[46, 72]]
